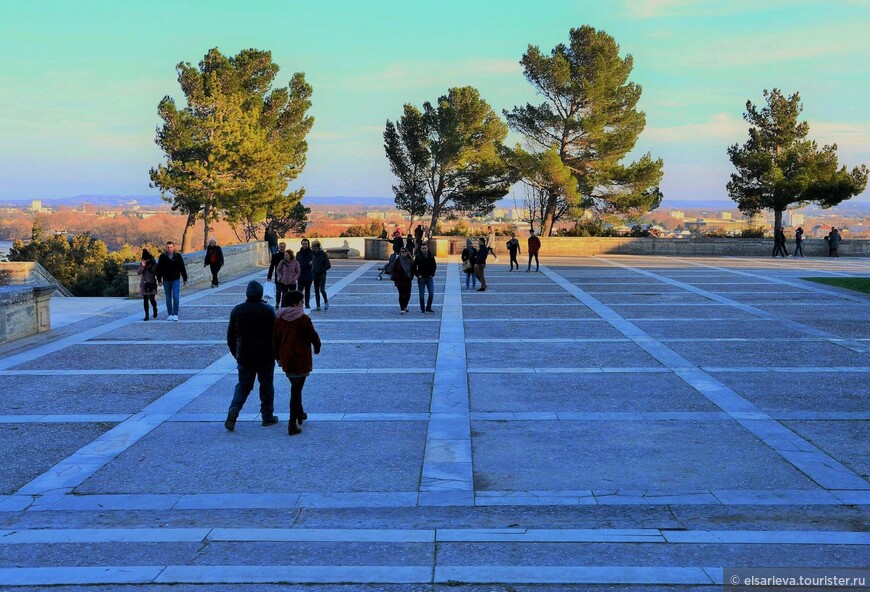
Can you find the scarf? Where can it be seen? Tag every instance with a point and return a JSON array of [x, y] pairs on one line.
[[406, 265]]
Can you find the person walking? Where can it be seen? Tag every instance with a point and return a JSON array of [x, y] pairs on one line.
[[398, 241], [799, 242], [409, 244], [513, 247], [833, 239], [214, 260], [147, 273], [401, 274], [249, 337], [483, 252], [424, 268], [383, 235], [469, 254], [287, 275], [170, 273], [292, 341], [418, 237], [271, 239], [276, 258], [490, 237], [534, 247], [319, 266], [305, 257], [779, 242]]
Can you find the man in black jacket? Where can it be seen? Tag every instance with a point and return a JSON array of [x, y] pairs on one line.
[[249, 337], [170, 268], [424, 268], [273, 265]]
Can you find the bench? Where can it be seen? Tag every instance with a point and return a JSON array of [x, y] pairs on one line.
[[338, 252]]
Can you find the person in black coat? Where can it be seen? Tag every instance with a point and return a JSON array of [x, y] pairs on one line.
[[170, 271], [305, 257], [483, 251], [424, 268], [249, 337], [277, 258], [214, 259], [398, 242]]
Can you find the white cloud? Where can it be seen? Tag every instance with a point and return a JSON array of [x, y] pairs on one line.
[[647, 9], [720, 128], [850, 137]]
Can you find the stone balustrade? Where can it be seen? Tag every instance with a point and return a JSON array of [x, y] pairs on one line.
[[24, 311]]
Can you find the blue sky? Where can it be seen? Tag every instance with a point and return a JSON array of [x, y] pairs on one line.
[[80, 81]]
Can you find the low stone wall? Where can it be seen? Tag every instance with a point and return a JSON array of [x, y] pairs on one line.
[[24, 311], [356, 246], [30, 273], [671, 247], [237, 259]]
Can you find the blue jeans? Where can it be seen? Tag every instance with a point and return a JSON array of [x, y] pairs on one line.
[[426, 284], [471, 279], [263, 372], [172, 289]]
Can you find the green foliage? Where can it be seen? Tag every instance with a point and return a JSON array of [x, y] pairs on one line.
[[235, 147], [593, 227], [81, 263], [778, 167], [589, 119], [372, 229], [286, 214], [448, 157], [461, 228], [752, 232], [858, 284]]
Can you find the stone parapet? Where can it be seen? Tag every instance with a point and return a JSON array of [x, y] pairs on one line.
[[237, 259], [30, 273], [24, 311], [671, 247]]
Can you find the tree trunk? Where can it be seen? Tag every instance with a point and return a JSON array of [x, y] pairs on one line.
[[436, 212], [187, 235], [777, 219], [548, 219], [205, 216]]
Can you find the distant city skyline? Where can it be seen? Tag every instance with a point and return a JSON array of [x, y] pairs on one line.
[[81, 81]]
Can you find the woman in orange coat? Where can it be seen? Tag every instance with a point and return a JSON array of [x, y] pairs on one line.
[[292, 341]]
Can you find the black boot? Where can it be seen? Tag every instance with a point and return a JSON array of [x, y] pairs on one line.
[[232, 416]]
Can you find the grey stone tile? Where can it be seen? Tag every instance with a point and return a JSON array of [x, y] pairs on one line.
[[810, 391], [31, 449], [533, 312], [412, 327], [717, 329], [701, 313], [160, 331], [846, 328], [846, 441], [205, 458], [737, 354], [129, 356], [520, 330], [671, 298], [584, 392], [660, 455], [560, 355], [341, 355], [62, 395]]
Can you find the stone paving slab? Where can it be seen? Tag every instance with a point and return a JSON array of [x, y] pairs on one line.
[[701, 313], [127, 356], [160, 331], [584, 392], [82, 394], [340, 393], [718, 329], [52, 441], [366, 355], [844, 440], [559, 455], [793, 354], [521, 330], [810, 391], [384, 457], [560, 355]]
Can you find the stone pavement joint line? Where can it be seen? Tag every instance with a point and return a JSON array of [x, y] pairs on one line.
[[61, 479], [803, 455], [447, 476]]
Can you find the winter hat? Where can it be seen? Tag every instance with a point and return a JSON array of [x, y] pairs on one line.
[[146, 255], [255, 290]]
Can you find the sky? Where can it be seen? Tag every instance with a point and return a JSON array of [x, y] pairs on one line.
[[80, 81]]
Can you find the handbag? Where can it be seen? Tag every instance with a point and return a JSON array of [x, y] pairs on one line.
[[467, 266], [149, 286]]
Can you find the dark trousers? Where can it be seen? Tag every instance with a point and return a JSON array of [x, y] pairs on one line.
[[320, 288], [152, 299], [305, 287], [426, 284], [280, 290], [296, 384], [537, 263], [215, 268], [779, 249], [479, 272], [514, 261], [264, 372], [285, 289], [404, 296], [798, 248]]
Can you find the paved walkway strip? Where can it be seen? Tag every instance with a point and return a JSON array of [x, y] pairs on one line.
[[818, 466], [447, 476]]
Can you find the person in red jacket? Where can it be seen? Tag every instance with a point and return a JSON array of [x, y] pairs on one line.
[[293, 338], [534, 247]]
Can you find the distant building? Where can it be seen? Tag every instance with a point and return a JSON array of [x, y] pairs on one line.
[[678, 214], [724, 215]]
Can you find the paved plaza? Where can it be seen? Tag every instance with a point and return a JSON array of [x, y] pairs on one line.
[[610, 423]]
